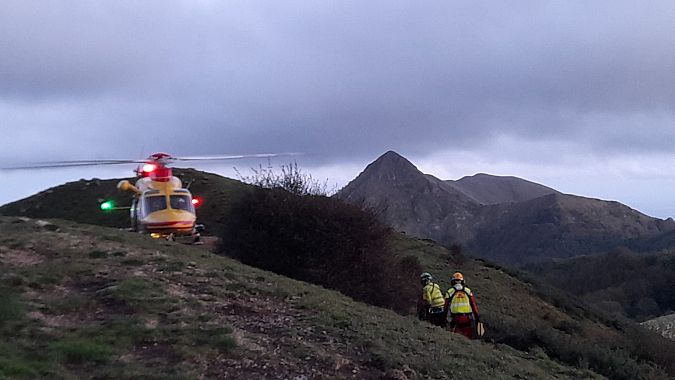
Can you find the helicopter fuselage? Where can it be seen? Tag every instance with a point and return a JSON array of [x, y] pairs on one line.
[[161, 207]]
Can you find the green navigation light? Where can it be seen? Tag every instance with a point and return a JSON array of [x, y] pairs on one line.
[[107, 206]]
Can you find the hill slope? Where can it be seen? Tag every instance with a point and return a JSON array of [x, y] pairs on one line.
[[79, 200], [86, 301], [528, 314]]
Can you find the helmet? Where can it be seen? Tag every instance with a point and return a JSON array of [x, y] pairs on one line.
[[425, 278], [457, 277]]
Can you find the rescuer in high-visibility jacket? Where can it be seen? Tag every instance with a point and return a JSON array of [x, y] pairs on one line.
[[431, 306], [461, 306]]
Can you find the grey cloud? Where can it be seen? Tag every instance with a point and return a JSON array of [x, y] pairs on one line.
[[341, 79]]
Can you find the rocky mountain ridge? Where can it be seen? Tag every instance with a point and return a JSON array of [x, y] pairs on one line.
[[489, 189], [502, 218]]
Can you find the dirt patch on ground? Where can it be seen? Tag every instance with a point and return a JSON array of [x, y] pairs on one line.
[[271, 329], [53, 320], [19, 257]]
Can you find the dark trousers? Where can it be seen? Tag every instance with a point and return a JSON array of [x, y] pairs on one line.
[[437, 317]]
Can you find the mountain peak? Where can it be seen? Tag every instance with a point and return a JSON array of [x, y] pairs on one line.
[[390, 154], [392, 161]]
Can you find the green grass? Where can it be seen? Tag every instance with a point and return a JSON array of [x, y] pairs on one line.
[[80, 351], [98, 254], [139, 294], [215, 310], [132, 262], [13, 368], [68, 304], [11, 308], [524, 313]]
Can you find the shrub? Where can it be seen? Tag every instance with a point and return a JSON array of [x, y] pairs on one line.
[[291, 179], [320, 240]]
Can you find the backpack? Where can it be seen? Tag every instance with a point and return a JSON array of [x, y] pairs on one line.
[[460, 301]]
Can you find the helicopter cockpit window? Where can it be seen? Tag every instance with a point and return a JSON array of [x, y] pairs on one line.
[[153, 204], [181, 202]]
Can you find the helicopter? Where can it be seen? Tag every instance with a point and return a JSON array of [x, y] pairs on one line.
[[161, 206]]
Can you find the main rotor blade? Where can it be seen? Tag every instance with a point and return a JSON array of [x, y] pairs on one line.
[[70, 164], [103, 161], [233, 157], [79, 163]]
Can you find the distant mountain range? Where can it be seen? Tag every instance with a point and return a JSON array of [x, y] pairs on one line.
[[507, 219], [490, 190]]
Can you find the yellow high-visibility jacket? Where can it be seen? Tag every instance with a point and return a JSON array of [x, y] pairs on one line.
[[433, 295], [461, 301]]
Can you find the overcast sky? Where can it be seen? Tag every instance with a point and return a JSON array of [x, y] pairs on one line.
[[577, 95]]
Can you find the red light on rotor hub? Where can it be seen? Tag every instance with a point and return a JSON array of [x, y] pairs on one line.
[[196, 201], [149, 168]]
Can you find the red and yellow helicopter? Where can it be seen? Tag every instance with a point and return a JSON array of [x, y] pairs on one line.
[[161, 206]]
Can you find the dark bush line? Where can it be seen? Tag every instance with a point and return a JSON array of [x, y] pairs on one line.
[[320, 240], [641, 286], [630, 358]]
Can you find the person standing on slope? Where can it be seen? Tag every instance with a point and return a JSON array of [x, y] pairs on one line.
[[461, 306], [431, 306]]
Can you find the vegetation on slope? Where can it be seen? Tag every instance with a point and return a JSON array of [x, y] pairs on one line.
[[87, 301], [320, 240], [79, 201], [635, 285], [528, 315]]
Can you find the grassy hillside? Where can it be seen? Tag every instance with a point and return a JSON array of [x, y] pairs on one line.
[[86, 301], [80, 200], [529, 315], [540, 321]]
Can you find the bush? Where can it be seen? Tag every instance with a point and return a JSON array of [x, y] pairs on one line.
[[291, 179], [320, 240]]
